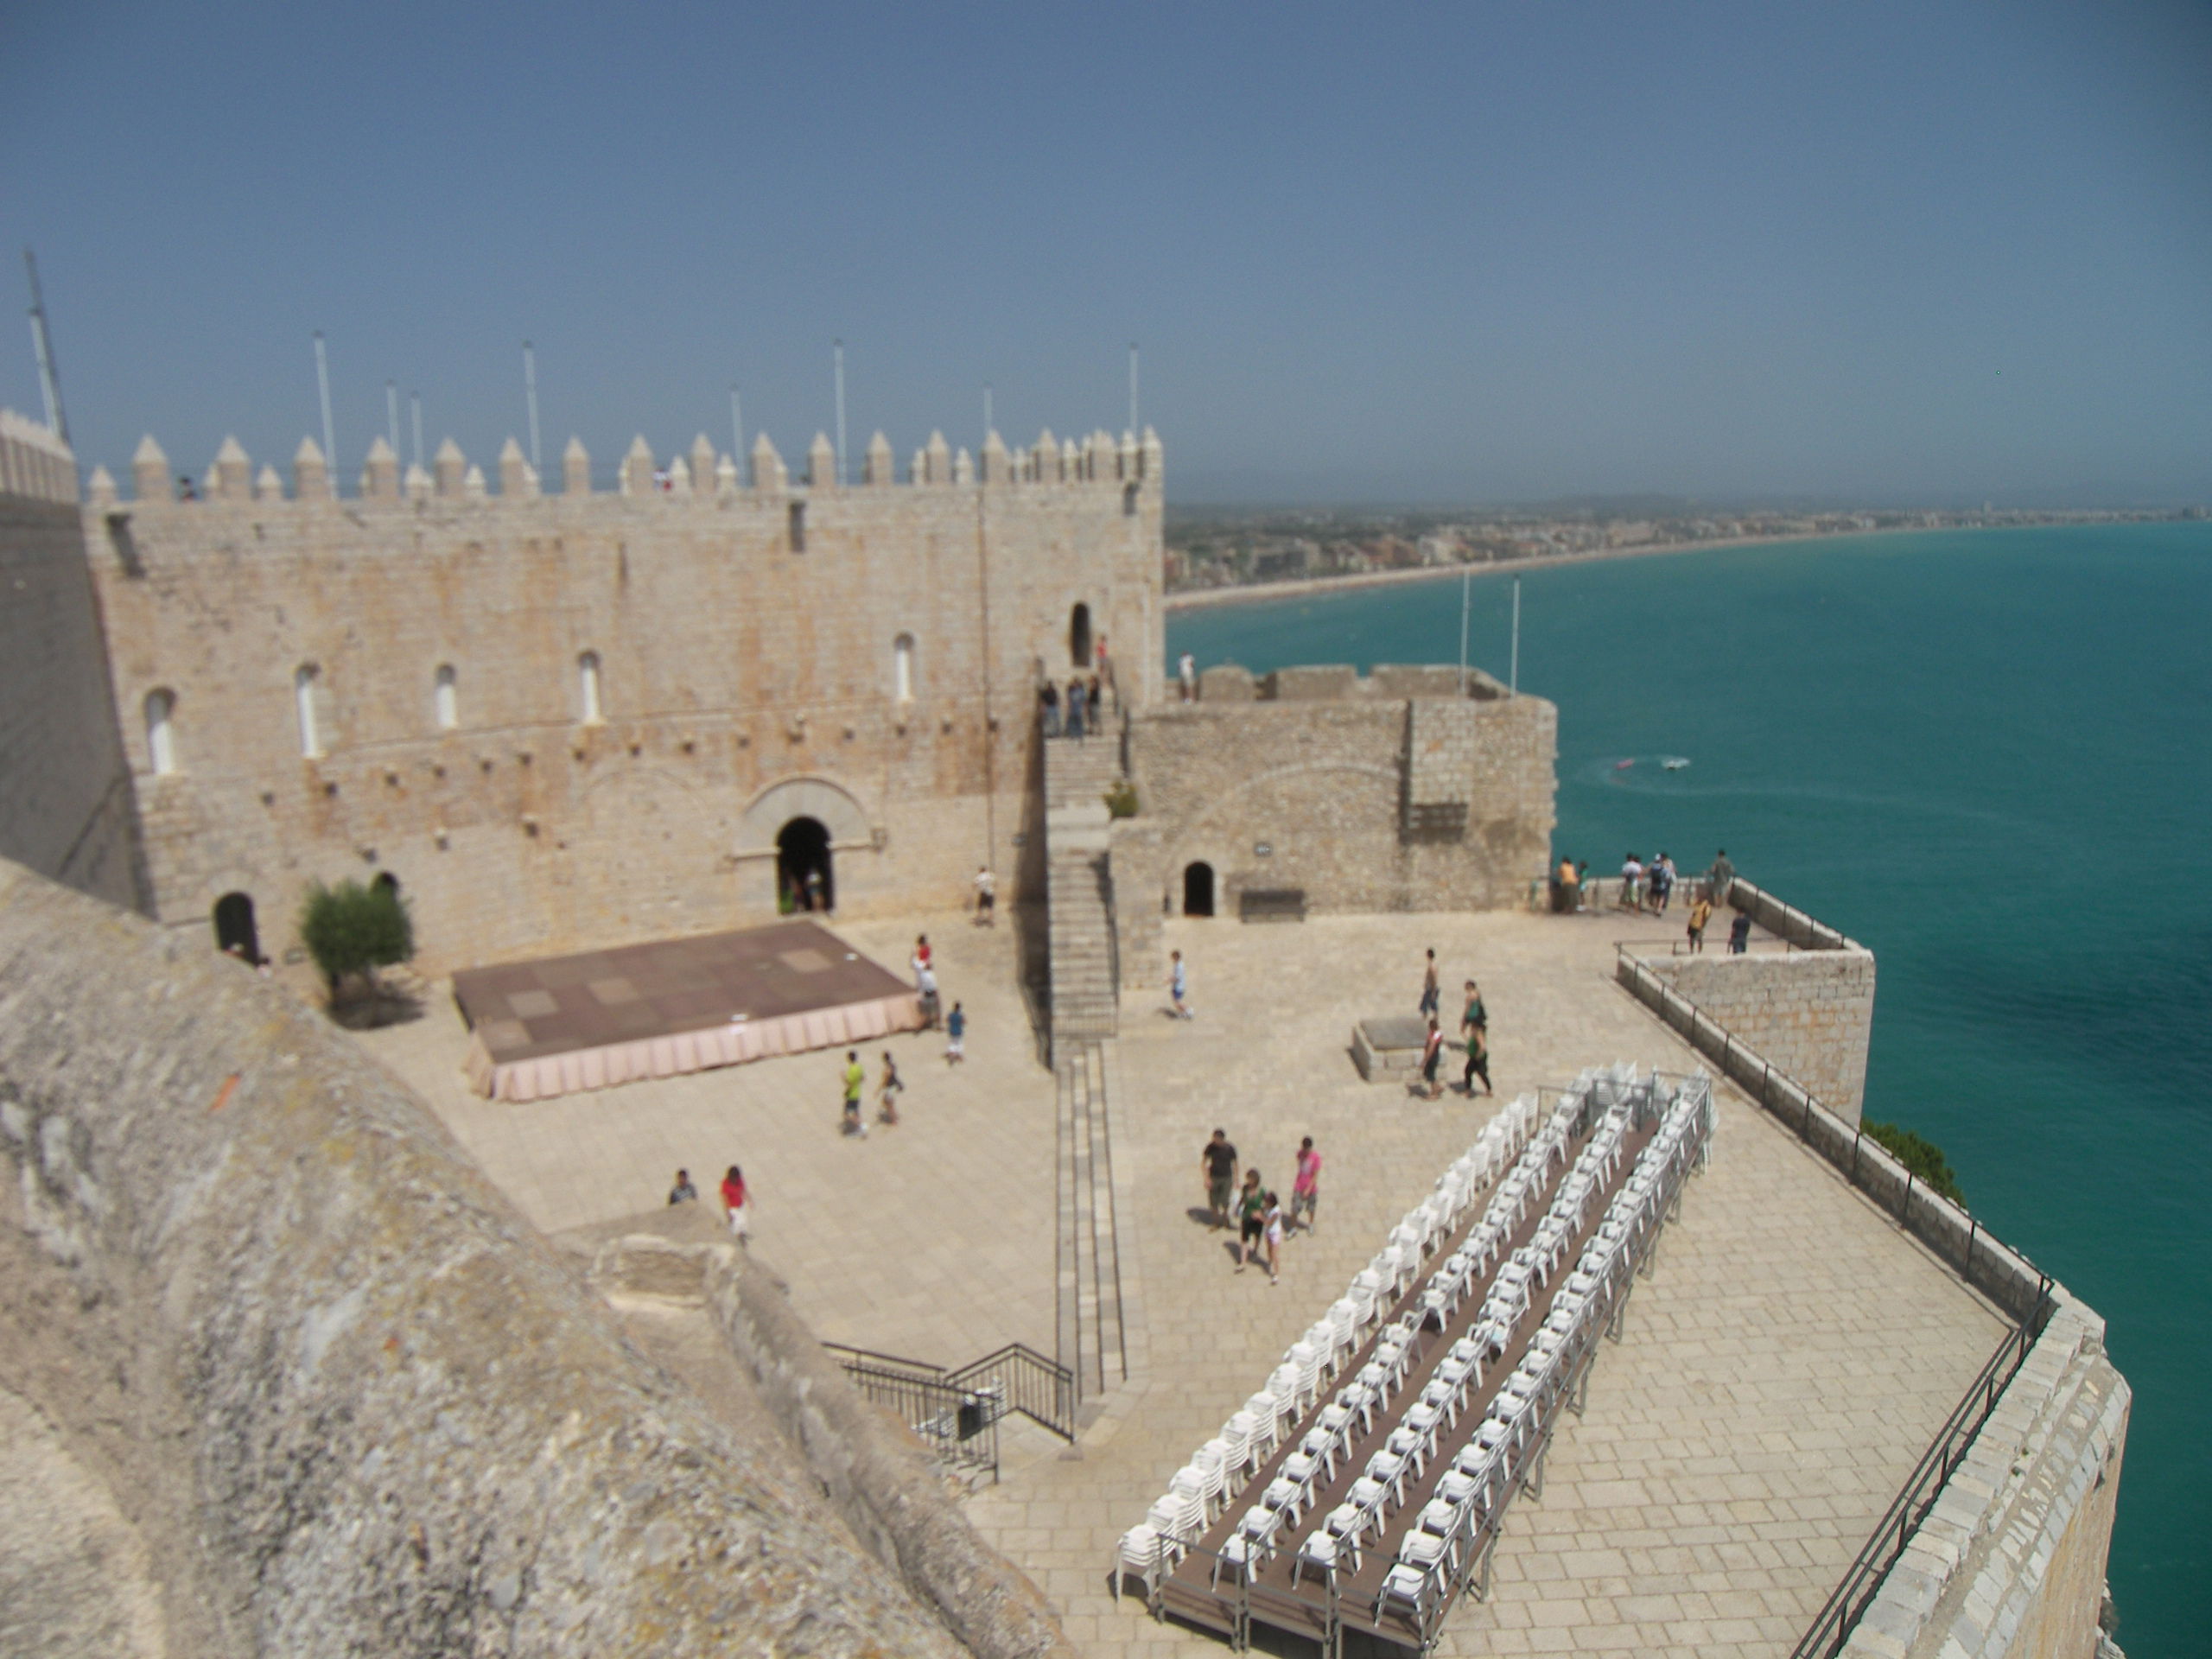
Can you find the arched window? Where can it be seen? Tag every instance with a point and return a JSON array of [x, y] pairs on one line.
[[587, 688], [303, 699], [446, 698], [902, 667], [1079, 636], [161, 741]]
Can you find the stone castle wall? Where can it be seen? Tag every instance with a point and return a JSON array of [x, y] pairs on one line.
[[1808, 1012], [746, 642], [1393, 792], [66, 807]]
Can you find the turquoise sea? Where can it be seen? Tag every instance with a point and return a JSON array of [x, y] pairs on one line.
[[1987, 755]]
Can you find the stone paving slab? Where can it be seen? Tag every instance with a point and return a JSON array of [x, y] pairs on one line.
[[1779, 1377], [931, 1240]]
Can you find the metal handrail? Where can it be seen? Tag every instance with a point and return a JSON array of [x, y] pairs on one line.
[[959, 1424], [1040, 1388], [1863, 1581]]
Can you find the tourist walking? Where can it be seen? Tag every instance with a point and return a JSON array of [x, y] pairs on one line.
[[1251, 1218], [1429, 995], [683, 1191], [1048, 701], [956, 1035], [1567, 889], [1187, 675], [1218, 1175], [986, 896], [855, 1082], [737, 1205], [1306, 1185], [1662, 883], [1739, 934], [1701, 914], [1632, 882], [1432, 1056], [1075, 705], [1474, 1027], [1178, 985], [888, 1088], [1271, 1231], [1719, 878]]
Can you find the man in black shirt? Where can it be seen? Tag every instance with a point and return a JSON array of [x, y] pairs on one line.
[[1217, 1171]]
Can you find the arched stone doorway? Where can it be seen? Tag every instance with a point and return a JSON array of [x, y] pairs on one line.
[[1079, 636], [1198, 889], [805, 880], [234, 927]]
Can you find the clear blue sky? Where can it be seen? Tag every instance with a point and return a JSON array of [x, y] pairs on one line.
[[1926, 251]]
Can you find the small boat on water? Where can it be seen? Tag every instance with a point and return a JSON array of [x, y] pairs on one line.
[[1623, 765], [1674, 762]]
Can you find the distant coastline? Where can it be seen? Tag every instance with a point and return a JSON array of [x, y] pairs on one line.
[[1250, 592]]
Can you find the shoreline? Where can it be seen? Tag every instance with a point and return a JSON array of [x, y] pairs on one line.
[[1303, 587]]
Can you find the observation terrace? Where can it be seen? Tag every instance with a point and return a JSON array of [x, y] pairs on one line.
[[1779, 1378]]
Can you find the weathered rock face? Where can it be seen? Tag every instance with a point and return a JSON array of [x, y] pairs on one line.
[[345, 1397]]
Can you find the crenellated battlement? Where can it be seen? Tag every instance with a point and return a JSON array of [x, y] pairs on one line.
[[699, 474], [34, 461]]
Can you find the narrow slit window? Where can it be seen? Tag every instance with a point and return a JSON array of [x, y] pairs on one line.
[[304, 686], [587, 688], [446, 697], [161, 736], [902, 667], [798, 527]]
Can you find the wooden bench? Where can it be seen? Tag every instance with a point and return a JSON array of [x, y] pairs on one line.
[[1271, 904]]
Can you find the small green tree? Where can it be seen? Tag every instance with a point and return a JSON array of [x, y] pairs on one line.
[[351, 928], [1922, 1157]]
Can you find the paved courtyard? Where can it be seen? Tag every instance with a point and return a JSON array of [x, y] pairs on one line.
[[1779, 1377]]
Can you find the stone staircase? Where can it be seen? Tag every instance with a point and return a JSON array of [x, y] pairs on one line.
[[1084, 980], [1091, 1336]]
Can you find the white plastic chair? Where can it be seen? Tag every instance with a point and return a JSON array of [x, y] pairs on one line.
[[1140, 1552], [1389, 1468]]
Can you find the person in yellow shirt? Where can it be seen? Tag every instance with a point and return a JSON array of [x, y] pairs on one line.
[[1701, 914], [856, 1085]]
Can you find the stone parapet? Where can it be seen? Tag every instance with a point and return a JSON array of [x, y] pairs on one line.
[[34, 463], [2009, 1563]]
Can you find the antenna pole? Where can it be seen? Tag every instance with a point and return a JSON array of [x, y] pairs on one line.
[[49, 382], [530, 388], [391, 414], [414, 398], [987, 408], [322, 384], [1467, 589], [837, 356], [1513, 684], [736, 431], [1133, 387]]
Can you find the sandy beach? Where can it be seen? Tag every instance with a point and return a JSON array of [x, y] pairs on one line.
[[1247, 592]]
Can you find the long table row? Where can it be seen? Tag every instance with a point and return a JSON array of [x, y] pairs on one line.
[[1381, 1503]]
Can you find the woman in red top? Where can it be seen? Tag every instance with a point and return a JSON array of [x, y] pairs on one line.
[[735, 1205]]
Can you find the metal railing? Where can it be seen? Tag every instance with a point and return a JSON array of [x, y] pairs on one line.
[[1014, 1378], [1024, 1380], [960, 1425], [1863, 1579], [1785, 921]]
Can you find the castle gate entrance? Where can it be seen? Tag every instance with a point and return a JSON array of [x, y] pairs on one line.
[[1079, 636], [234, 926], [1198, 889], [803, 877]]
